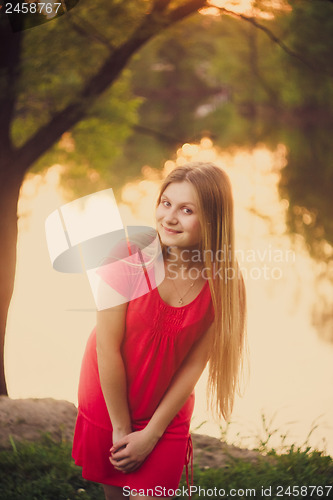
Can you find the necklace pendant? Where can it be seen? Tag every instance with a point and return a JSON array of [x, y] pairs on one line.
[[180, 301]]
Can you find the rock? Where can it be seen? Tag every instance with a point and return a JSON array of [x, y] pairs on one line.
[[210, 453], [27, 419]]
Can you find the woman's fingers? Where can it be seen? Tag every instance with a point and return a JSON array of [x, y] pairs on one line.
[[131, 468], [122, 443], [122, 464], [120, 454], [125, 465], [122, 459]]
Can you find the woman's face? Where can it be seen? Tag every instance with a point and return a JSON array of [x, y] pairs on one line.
[[177, 220]]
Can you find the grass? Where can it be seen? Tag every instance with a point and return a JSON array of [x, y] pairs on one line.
[[277, 475], [44, 470]]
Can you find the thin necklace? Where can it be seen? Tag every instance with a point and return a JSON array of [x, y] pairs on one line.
[[181, 301]]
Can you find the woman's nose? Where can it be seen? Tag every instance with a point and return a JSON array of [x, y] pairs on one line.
[[171, 217]]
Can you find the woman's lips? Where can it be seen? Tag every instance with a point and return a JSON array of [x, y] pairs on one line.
[[171, 231]]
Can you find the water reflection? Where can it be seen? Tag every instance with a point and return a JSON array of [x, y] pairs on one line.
[[291, 368], [307, 182]]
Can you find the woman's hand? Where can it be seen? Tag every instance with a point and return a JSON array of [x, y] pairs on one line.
[[129, 452]]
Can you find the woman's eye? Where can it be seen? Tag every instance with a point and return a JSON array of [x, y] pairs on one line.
[[187, 211], [165, 203]]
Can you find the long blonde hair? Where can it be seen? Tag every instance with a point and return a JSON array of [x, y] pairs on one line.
[[215, 207]]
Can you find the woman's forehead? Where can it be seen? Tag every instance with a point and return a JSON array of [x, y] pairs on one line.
[[181, 191]]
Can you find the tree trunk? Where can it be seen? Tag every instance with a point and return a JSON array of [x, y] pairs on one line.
[[14, 163], [9, 193]]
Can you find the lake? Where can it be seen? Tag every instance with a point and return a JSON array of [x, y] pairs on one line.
[[289, 389]]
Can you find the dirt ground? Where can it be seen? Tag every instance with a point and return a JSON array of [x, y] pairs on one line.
[[27, 419]]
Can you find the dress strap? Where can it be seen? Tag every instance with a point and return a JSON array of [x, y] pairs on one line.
[[189, 463]]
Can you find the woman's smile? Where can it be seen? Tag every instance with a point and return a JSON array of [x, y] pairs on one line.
[[170, 231]]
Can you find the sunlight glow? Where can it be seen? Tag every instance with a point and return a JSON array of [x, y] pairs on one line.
[[238, 6], [247, 7]]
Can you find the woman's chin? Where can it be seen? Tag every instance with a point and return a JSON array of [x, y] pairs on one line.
[[169, 242], [168, 239]]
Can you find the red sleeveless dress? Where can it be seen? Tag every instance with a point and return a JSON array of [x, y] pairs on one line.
[[156, 341]]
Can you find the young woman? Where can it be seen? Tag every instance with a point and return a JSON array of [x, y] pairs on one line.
[[145, 356]]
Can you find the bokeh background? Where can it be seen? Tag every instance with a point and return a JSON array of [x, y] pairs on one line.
[[115, 94]]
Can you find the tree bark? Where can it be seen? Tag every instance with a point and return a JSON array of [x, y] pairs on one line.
[[9, 193], [10, 54]]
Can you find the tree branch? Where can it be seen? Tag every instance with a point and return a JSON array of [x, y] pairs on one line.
[[186, 9], [160, 5], [64, 120], [91, 34], [269, 33]]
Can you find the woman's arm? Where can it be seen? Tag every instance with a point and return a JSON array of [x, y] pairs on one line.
[[139, 444], [110, 330]]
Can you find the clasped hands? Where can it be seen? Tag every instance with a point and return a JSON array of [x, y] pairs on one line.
[[130, 451]]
